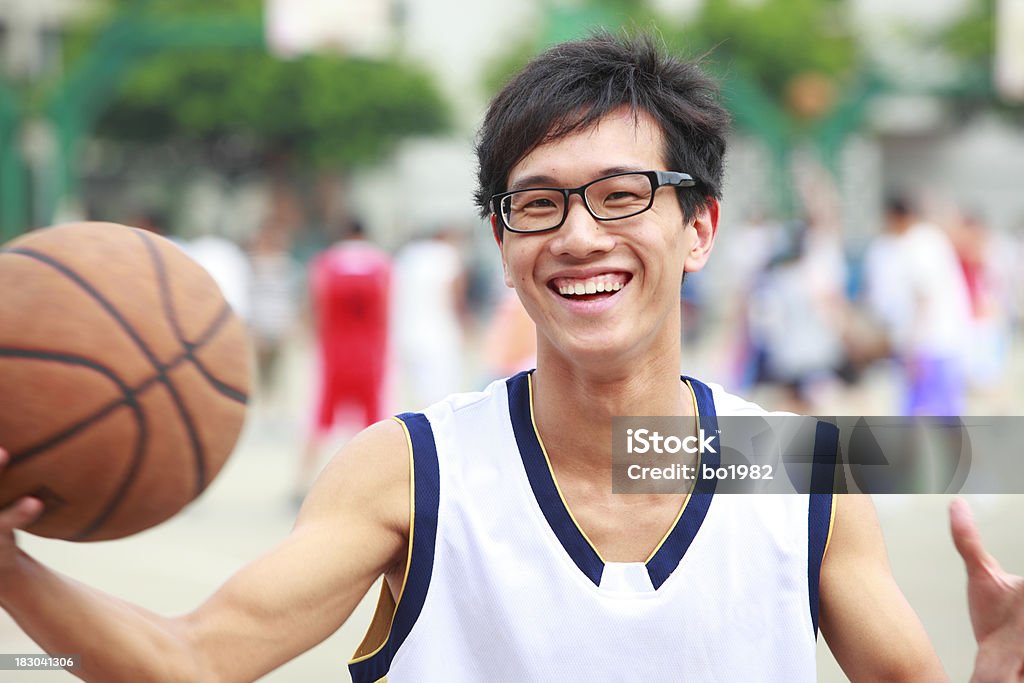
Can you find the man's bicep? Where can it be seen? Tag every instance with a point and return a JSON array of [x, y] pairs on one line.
[[352, 528], [868, 624]]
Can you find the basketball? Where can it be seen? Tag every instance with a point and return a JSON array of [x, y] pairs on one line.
[[124, 377]]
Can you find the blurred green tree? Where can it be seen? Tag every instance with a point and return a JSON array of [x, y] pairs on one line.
[[565, 21], [320, 109], [773, 42], [767, 42], [788, 68], [972, 37], [326, 110], [971, 40]]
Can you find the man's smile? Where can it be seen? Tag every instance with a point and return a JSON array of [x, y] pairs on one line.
[[589, 286]]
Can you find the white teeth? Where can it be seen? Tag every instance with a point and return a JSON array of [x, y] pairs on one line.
[[589, 287]]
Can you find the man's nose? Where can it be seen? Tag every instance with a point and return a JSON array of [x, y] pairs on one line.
[[581, 234]]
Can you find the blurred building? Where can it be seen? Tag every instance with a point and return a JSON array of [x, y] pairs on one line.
[[908, 137], [30, 38]]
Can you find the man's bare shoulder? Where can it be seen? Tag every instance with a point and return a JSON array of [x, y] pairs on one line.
[[367, 480], [872, 630]]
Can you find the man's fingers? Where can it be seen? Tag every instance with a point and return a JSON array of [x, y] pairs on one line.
[[999, 659], [966, 537], [20, 514]]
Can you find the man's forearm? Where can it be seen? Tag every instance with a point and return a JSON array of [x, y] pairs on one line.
[[117, 641]]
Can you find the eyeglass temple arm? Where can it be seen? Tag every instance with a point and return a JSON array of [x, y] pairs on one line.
[[675, 179]]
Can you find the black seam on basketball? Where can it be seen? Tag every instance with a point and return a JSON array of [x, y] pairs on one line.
[[71, 430], [115, 500], [95, 294], [172, 317], [128, 395], [164, 289], [129, 399], [186, 417], [164, 286], [220, 387]]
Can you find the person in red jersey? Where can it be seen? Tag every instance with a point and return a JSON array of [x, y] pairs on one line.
[[350, 291]]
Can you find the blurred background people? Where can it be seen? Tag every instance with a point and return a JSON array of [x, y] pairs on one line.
[[753, 245], [350, 286], [510, 340], [274, 296], [986, 260], [429, 313], [915, 286], [795, 321]]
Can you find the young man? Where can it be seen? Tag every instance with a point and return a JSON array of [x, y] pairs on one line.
[[498, 572]]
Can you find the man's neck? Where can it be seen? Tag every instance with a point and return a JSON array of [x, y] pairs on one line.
[[574, 406]]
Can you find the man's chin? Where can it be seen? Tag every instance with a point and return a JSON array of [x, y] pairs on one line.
[[599, 351]]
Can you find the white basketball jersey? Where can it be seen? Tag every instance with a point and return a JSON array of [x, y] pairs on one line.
[[502, 585]]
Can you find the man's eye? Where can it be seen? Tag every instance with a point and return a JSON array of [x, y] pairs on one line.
[[541, 203], [624, 198]]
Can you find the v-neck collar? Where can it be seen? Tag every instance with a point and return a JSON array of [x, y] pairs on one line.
[[670, 551]]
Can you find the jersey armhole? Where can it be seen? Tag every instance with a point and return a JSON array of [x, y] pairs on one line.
[[821, 510], [393, 619], [380, 627]]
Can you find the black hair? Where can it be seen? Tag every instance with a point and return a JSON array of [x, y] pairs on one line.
[[572, 86], [899, 206], [355, 229]]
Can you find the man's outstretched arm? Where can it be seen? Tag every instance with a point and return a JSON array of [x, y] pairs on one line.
[[352, 529], [868, 624]]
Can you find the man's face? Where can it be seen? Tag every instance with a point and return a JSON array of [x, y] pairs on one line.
[[637, 261]]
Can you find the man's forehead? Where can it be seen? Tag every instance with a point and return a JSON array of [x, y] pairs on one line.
[[542, 179], [621, 140]]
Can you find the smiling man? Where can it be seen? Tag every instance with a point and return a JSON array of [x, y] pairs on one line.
[[491, 515], [601, 168]]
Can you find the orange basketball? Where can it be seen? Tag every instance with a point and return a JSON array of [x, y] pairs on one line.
[[124, 377]]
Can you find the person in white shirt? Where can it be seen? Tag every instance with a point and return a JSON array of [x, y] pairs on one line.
[[915, 287]]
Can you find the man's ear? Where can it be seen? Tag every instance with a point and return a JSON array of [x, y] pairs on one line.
[[705, 227], [494, 229]]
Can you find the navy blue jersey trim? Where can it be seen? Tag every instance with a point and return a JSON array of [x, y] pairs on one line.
[[819, 509], [427, 486], [671, 552], [544, 488]]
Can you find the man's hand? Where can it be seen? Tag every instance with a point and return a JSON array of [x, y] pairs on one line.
[[353, 527], [18, 515], [996, 601]]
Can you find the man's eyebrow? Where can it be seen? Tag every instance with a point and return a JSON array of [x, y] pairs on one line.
[[541, 180], [532, 181]]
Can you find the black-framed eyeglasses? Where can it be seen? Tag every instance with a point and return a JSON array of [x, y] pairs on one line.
[[621, 195]]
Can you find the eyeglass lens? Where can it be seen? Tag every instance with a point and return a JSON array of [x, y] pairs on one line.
[[609, 198]]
